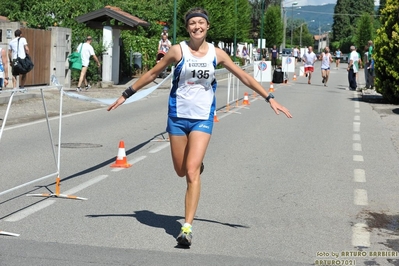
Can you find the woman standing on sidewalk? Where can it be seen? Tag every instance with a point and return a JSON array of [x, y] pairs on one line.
[[192, 105]]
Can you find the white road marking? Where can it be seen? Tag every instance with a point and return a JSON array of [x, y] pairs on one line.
[[85, 185], [357, 147], [132, 162], [357, 118], [356, 137], [361, 197], [159, 148], [356, 126], [359, 175], [26, 212], [360, 235], [44, 204], [358, 158]]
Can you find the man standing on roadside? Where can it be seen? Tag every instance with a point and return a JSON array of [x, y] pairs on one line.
[[353, 68], [274, 52], [370, 65], [309, 59], [18, 47], [296, 53], [86, 53]]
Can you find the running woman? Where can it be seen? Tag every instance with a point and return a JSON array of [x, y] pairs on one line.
[[338, 55], [326, 59], [192, 105]]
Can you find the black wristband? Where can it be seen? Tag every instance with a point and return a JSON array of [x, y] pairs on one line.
[[128, 92]]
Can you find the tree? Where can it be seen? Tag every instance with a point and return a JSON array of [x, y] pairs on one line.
[[307, 37], [346, 15], [341, 25], [364, 31], [273, 26], [229, 20], [386, 53]]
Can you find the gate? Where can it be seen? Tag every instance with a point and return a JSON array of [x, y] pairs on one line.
[[39, 43]]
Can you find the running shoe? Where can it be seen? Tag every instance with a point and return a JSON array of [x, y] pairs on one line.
[[87, 87], [185, 236], [78, 89]]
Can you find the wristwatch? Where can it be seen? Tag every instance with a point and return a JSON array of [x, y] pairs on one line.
[[7, 78], [271, 96]]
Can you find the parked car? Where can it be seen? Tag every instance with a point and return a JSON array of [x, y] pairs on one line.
[[286, 52]]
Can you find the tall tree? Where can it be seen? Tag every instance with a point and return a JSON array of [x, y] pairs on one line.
[[386, 52], [273, 26], [346, 15], [364, 30], [341, 26]]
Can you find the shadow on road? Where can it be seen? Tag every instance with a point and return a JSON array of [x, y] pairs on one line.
[[169, 223]]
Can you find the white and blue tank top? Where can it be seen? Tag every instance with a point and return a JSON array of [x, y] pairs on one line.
[[194, 84], [325, 61]]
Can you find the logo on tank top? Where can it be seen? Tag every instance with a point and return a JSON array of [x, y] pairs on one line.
[[197, 64]]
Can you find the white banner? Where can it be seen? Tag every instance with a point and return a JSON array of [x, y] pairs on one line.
[[263, 71]]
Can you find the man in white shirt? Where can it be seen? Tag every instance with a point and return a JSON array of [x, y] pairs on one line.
[[296, 54], [353, 68], [18, 47], [309, 58], [86, 52]]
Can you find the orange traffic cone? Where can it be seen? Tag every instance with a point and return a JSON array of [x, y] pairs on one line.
[[271, 89], [121, 160], [294, 78], [245, 101], [215, 118]]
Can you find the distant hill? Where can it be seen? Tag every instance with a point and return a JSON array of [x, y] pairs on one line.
[[322, 15]]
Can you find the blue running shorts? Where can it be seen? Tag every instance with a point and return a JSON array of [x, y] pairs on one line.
[[183, 126]]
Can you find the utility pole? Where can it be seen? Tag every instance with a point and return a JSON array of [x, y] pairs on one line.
[[292, 19], [262, 10]]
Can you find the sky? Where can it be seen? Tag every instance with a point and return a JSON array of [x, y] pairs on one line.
[[315, 2]]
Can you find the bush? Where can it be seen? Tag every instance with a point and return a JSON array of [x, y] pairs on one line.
[[386, 53]]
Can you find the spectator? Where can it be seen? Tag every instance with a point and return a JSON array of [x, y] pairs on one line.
[[245, 54], [164, 44], [18, 47], [165, 31], [353, 68], [3, 69], [366, 66], [274, 52], [370, 66], [86, 53]]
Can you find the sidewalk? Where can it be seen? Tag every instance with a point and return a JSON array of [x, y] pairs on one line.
[[34, 91]]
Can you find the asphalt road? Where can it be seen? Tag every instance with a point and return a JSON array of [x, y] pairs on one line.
[[318, 188]]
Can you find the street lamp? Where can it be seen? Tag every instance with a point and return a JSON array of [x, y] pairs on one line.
[[292, 19]]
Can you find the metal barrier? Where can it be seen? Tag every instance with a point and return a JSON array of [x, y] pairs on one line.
[[56, 155]]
